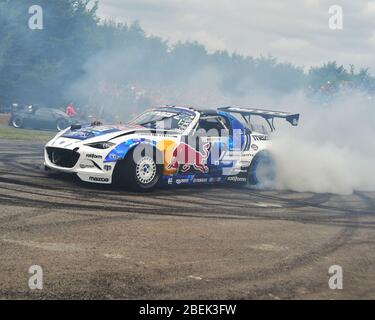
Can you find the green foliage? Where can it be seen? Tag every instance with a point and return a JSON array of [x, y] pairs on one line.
[[36, 65], [41, 66], [334, 75], [9, 133]]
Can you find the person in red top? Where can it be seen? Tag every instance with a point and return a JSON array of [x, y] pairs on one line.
[[70, 111]]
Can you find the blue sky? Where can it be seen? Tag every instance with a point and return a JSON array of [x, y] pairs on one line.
[[291, 30]]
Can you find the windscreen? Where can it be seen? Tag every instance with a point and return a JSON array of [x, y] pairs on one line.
[[164, 120]]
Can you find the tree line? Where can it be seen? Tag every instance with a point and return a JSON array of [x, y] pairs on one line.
[[43, 66]]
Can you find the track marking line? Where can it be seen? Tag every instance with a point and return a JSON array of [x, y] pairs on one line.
[[268, 247], [195, 278], [50, 246], [267, 205], [114, 256]]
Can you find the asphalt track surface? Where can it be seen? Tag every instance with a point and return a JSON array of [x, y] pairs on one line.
[[190, 243]]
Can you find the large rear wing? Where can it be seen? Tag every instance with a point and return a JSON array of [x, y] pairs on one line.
[[268, 115]]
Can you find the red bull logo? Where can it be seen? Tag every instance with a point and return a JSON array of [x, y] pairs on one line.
[[187, 156]]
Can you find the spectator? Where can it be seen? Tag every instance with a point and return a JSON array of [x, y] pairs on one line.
[[70, 111]]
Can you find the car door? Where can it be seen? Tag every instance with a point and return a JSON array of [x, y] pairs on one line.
[[43, 118], [210, 140], [238, 154]]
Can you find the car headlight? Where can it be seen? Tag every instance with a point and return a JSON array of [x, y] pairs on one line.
[[101, 145]]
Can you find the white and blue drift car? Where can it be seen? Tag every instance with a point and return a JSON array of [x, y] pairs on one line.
[[171, 145]]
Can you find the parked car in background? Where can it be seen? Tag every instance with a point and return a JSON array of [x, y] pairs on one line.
[[40, 118]]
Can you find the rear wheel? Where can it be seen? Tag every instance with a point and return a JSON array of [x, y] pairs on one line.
[[262, 171], [141, 174], [17, 122]]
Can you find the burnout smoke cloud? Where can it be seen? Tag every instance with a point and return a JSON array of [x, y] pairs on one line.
[[332, 150]]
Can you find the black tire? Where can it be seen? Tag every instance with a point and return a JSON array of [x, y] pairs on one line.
[[61, 124], [128, 173], [17, 122], [262, 171]]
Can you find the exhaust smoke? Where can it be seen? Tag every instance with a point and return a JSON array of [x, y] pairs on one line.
[[333, 148]]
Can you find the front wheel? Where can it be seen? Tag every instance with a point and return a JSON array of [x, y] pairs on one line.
[[141, 174], [262, 171], [17, 122]]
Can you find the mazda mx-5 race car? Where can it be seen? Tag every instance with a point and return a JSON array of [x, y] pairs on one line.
[[171, 145]]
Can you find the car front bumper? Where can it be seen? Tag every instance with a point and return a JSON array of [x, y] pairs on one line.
[[83, 164]]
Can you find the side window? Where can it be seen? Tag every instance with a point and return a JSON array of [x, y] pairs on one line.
[[258, 124], [43, 112], [213, 126]]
